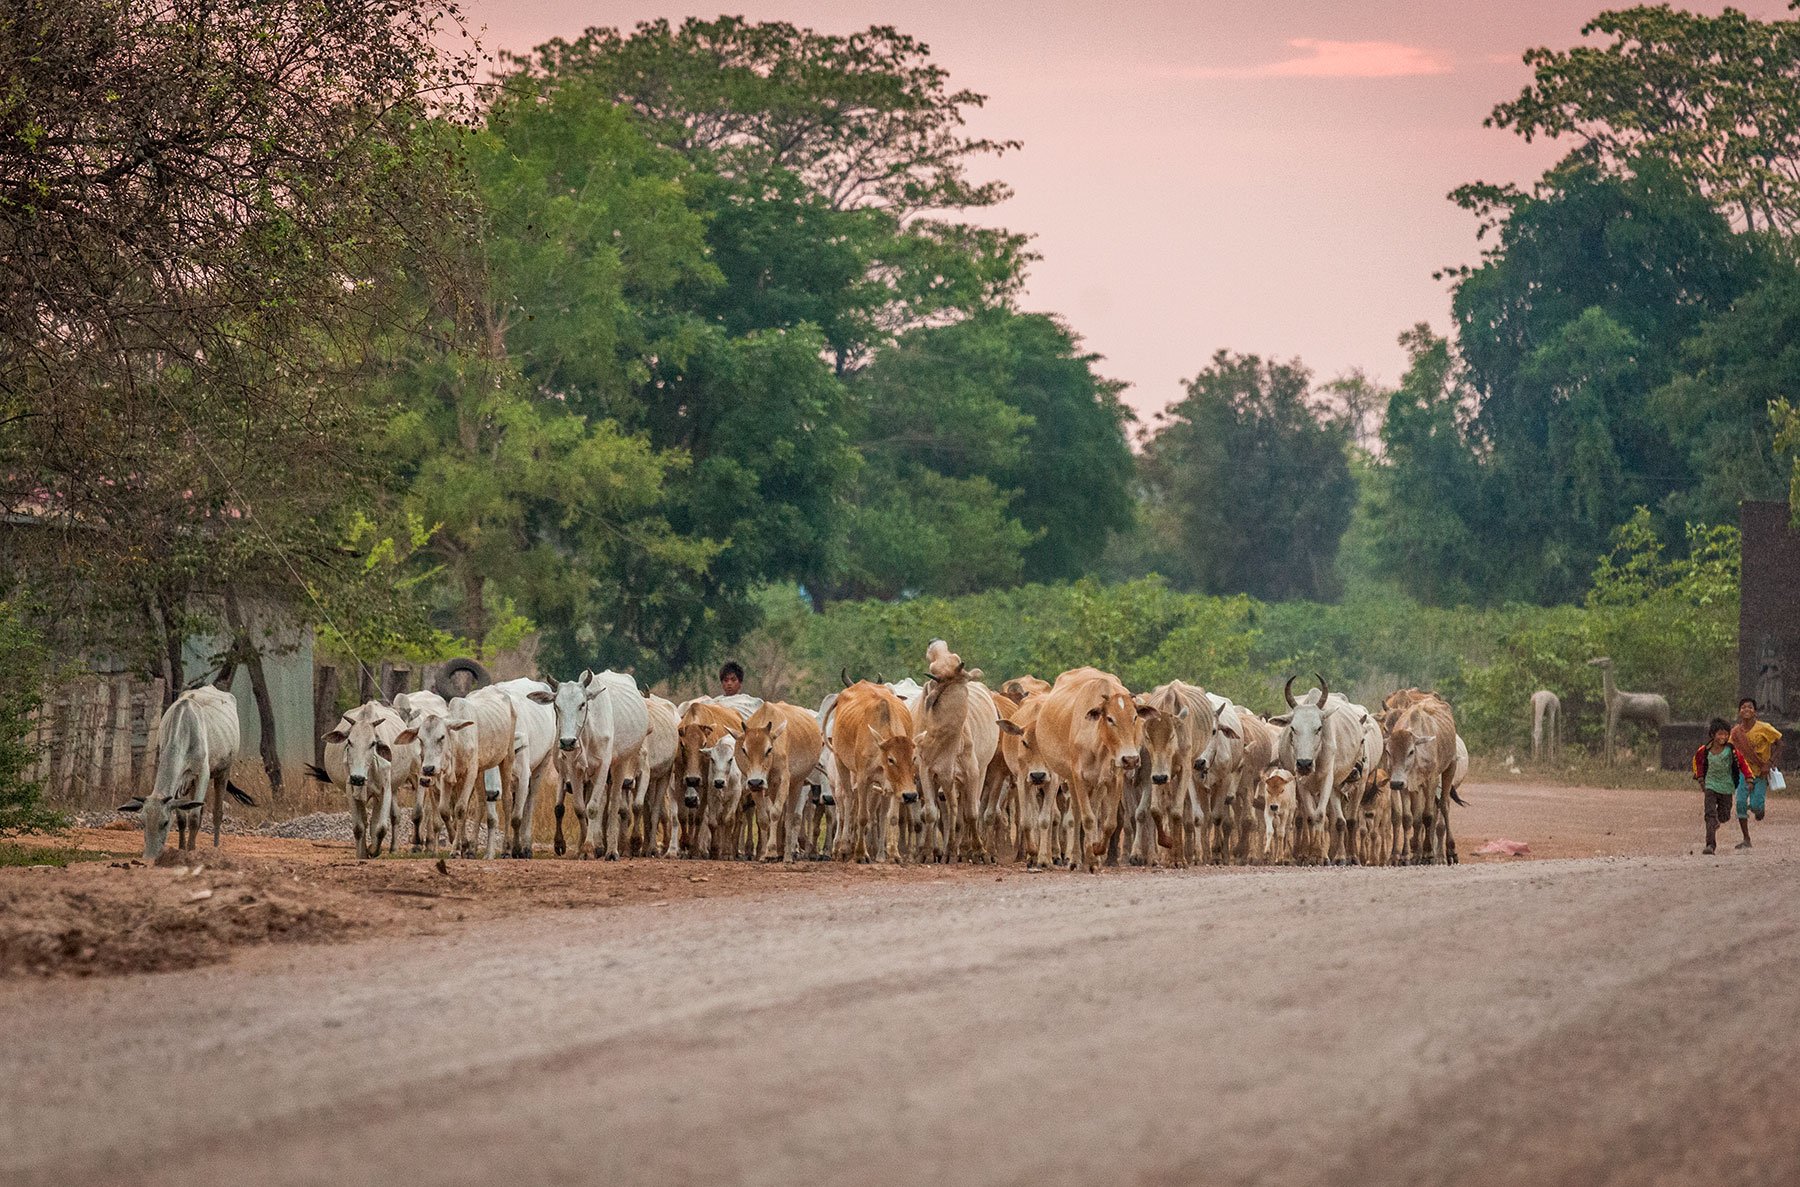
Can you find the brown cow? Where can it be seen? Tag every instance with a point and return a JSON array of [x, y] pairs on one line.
[[1159, 807], [1420, 756], [780, 746], [872, 771], [1034, 788], [1090, 734], [709, 801]]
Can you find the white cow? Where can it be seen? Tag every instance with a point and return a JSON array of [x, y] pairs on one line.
[[653, 773], [195, 746], [365, 757], [496, 718], [1321, 741], [449, 761], [533, 764], [601, 723], [1240, 746]]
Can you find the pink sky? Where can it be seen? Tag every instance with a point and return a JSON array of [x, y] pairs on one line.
[[1214, 174]]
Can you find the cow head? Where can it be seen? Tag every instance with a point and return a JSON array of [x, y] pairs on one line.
[[1303, 726], [889, 765], [1223, 749], [1024, 757], [1411, 759], [761, 751], [722, 762], [364, 752], [1116, 727], [435, 735], [1161, 745]]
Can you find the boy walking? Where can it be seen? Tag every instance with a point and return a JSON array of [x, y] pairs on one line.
[[1755, 741], [1721, 772]]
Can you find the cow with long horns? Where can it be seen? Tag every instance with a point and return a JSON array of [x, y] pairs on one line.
[[1321, 741]]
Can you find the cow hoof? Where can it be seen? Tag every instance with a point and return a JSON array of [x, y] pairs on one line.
[[559, 847], [612, 857]]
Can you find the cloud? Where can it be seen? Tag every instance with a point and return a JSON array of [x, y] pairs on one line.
[[1320, 58]]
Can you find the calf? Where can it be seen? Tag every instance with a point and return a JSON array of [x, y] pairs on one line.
[[709, 810], [448, 758]]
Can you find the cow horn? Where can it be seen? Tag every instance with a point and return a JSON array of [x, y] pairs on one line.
[[961, 666], [1287, 691], [844, 675], [1324, 689], [880, 679]]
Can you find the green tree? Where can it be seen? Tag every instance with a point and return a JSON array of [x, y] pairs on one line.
[[25, 665], [1716, 408], [1249, 486], [1574, 317], [1715, 97], [1425, 509]]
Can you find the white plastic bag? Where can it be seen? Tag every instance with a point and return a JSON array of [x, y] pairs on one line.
[[1777, 782]]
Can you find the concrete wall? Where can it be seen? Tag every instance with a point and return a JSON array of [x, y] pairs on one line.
[[288, 664]]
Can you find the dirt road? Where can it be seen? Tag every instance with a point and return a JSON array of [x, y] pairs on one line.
[[1594, 1020]]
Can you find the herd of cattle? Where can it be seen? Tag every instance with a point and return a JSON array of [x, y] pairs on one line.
[[1077, 772]]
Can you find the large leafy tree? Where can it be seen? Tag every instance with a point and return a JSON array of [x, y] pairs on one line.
[[198, 223], [1003, 414], [1715, 97], [1248, 484], [1573, 318]]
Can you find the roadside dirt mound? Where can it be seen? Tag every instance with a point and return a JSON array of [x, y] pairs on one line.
[[91, 919]]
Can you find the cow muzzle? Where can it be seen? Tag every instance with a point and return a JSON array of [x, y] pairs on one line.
[[1303, 766], [909, 797], [718, 785], [693, 782], [1159, 779], [566, 743], [358, 780], [690, 800], [1199, 766], [755, 784], [1130, 761], [428, 772], [827, 800], [1040, 777], [1397, 784]]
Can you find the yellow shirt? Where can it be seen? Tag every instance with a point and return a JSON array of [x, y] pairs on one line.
[[1757, 744]]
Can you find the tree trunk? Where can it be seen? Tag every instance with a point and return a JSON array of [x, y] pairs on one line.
[[247, 653], [325, 694], [167, 630], [474, 614]]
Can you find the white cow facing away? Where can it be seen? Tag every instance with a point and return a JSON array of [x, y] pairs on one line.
[[196, 744]]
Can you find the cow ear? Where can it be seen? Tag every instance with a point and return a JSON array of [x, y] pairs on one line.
[[1094, 713], [458, 725], [1180, 710], [406, 736], [541, 696], [1009, 727], [337, 737], [777, 730], [1144, 710], [134, 804], [975, 674], [1227, 730], [385, 751], [188, 805], [587, 676], [1284, 719]]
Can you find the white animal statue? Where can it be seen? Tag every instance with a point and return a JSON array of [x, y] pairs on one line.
[[1648, 707], [196, 744], [1546, 725]]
